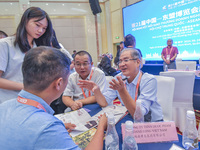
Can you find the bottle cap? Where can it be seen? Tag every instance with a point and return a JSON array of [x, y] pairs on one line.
[[129, 124], [190, 114]]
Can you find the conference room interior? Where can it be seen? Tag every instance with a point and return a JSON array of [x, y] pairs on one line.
[[81, 25]]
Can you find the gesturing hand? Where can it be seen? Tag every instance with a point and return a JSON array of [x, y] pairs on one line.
[[90, 85], [117, 84]]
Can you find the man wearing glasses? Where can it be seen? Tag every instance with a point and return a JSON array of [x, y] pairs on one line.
[[130, 85], [74, 96]]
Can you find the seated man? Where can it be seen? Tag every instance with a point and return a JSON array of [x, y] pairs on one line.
[[74, 96], [27, 122], [136, 86], [105, 66]]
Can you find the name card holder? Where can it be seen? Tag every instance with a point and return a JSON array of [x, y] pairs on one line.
[[153, 132]]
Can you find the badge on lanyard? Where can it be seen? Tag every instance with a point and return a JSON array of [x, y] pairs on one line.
[[168, 57], [89, 93]]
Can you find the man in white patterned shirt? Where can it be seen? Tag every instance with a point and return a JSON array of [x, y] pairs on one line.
[[74, 96]]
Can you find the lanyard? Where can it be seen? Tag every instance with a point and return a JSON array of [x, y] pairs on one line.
[[137, 86], [30, 102], [170, 50], [89, 94]]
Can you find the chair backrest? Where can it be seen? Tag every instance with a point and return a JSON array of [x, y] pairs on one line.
[[178, 59], [165, 93], [184, 85], [181, 65]]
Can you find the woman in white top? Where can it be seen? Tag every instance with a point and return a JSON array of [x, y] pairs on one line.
[[34, 29]]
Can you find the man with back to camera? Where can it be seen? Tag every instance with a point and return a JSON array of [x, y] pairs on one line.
[[74, 96], [130, 42], [28, 122], [136, 86], [169, 55]]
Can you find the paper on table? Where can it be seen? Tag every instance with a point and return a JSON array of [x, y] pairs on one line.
[[118, 111], [85, 122], [78, 117]]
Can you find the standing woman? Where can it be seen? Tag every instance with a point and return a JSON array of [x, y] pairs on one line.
[[34, 29]]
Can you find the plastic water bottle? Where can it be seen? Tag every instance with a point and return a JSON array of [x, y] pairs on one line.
[[111, 138], [129, 142], [187, 68], [138, 115], [166, 68], [190, 134], [198, 68]]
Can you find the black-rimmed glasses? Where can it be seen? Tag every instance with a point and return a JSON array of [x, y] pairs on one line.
[[126, 60], [84, 64]]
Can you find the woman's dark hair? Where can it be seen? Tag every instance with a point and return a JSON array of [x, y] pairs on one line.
[[54, 41], [21, 33]]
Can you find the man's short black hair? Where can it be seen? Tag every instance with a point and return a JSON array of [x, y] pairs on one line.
[[129, 40], [81, 53], [42, 65]]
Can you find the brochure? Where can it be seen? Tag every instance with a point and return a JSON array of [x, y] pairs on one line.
[[85, 122]]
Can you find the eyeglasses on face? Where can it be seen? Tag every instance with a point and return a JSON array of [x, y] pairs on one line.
[[126, 60], [85, 64]]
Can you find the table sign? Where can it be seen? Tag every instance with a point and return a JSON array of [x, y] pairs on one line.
[[181, 70], [153, 132]]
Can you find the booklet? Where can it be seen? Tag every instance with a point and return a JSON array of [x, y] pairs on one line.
[[84, 139], [86, 125], [80, 118]]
